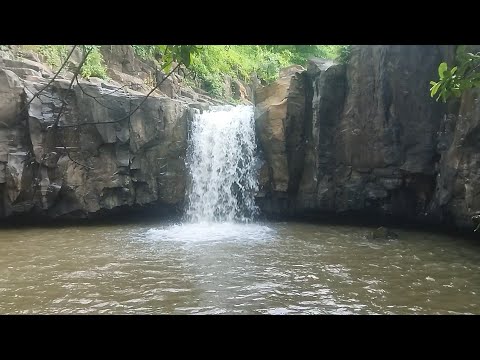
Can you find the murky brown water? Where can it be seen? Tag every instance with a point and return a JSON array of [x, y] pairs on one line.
[[276, 268]]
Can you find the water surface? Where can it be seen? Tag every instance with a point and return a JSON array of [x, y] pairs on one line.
[[269, 268]]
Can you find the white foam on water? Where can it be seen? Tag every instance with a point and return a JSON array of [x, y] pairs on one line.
[[223, 181], [207, 231]]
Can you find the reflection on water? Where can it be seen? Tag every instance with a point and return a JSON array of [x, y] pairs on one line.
[[274, 268]]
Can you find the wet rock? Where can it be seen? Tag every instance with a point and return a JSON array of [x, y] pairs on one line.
[[476, 222], [200, 106], [383, 233]]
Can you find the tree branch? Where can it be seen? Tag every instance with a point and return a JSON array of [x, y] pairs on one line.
[[52, 79], [91, 96], [57, 120], [55, 124]]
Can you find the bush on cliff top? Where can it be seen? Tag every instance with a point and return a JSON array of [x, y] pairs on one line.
[[211, 63], [55, 55]]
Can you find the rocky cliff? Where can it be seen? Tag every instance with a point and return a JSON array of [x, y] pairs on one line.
[[367, 138], [50, 166], [363, 138]]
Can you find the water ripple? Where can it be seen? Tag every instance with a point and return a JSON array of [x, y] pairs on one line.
[[274, 268]]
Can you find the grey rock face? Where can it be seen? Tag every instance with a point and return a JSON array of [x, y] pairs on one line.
[[369, 138], [457, 191], [79, 170]]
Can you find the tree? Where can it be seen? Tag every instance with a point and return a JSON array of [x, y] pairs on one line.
[[455, 80]]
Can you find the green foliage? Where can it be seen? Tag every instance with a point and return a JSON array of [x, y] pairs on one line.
[[166, 54], [94, 64], [300, 54], [267, 63], [211, 63], [344, 53], [54, 55], [214, 62], [178, 54], [147, 52], [454, 81]]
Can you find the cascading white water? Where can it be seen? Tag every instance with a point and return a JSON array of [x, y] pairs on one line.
[[221, 162]]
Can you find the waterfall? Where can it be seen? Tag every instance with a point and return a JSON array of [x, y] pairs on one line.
[[221, 164]]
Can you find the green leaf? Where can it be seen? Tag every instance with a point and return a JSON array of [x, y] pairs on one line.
[[434, 89], [464, 76], [441, 69]]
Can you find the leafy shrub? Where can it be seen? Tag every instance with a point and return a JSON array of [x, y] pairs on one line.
[[213, 62], [94, 65], [54, 55], [454, 81]]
